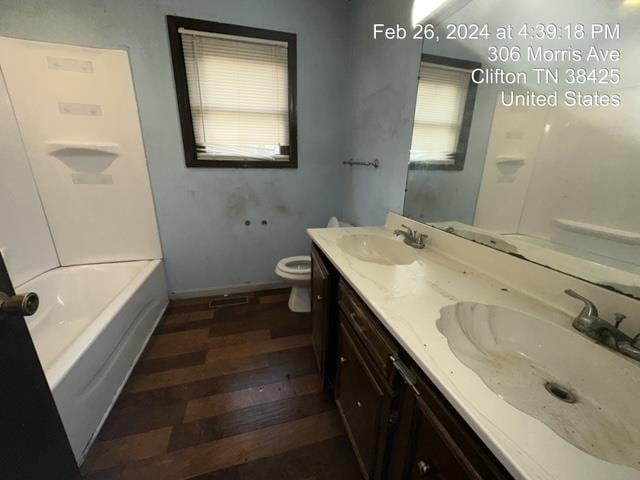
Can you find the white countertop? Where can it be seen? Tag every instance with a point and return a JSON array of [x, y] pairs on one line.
[[407, 299]]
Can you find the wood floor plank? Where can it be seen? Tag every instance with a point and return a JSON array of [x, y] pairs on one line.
[[187, 321], [169, 363], [112, 453], [183, 318], [174, 318], [287, 327], [180, 343], [247, 419], [279, 297], [188, 324], [178, 376], [283, 365], [153, 409], [327, 460], [236, 450], [148, 413], [257, 317], [176, 343], [213, 405], [273, 292], [185, 308], [257, 348], [232, 392], [204, 315], [180, 302], [114, 473]]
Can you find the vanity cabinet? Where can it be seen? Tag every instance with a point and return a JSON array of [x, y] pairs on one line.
[[376, 343], [399, 424], [324, 314], [433, 442], [365, 381], [362, 402]]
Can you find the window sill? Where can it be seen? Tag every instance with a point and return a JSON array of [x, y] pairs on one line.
[[231, 158], [427, 165], [218, 161]]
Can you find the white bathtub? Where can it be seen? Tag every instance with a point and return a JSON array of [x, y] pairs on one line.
[[92, 324]]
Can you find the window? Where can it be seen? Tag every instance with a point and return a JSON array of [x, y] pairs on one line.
[[444, 108], [236, 90]]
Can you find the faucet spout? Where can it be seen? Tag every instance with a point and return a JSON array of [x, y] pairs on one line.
[[411, 237]]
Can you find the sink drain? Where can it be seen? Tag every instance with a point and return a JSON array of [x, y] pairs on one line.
[[560, 392]]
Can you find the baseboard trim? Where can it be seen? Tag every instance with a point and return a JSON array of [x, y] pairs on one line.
[[210, 292]]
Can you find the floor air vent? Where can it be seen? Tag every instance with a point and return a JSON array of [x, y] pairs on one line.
[[229, 301]]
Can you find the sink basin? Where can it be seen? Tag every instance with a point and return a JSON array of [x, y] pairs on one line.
[[377, 249], [583, 392]]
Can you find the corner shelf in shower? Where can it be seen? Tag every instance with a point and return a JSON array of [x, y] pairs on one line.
[[77, 148], [510, 159], [614, 234]]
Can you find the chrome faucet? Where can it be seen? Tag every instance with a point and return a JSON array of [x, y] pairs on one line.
[[411, 237], [589, 322]]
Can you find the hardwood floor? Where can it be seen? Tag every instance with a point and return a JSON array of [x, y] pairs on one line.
[[226, 393]]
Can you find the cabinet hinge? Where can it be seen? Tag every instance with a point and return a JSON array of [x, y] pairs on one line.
[[407, 375]]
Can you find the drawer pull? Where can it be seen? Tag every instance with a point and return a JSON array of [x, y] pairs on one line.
[[343, 360], [359, 404], [423, 468], [359, 328], [319, 297]]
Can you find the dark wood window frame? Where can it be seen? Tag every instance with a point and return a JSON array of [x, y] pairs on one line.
[[184, 106], [467, 116]]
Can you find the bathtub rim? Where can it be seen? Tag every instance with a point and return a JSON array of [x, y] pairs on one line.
[[57, 371]]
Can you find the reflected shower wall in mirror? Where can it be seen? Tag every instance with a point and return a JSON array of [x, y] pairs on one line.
[[548, 133]]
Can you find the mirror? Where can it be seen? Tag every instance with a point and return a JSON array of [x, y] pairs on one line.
[[526, 136]]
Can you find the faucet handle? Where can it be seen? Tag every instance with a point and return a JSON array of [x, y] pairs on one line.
[[589, 310], [407, 228], [421, 237], [618, 318]]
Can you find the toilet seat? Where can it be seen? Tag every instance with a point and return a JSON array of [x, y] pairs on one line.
[[296, 266], [296, 271]]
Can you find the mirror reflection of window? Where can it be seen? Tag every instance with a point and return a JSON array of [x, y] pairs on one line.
[[444, 109]]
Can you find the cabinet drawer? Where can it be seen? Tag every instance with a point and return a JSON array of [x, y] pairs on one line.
[[436, 454], [470, 452], [376, 340], [360, 401]]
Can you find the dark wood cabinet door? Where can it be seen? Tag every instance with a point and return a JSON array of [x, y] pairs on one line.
[[434, 443], [376, 341], [33, 443], [360, 399], [435, 454], [320, 308]]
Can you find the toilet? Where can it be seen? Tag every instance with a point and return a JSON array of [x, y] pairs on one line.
[[296, 271]]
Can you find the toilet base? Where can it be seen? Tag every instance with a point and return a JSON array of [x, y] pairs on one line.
[[299, 300]]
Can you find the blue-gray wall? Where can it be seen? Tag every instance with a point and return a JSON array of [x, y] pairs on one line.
[[201, 212], [385, 79]]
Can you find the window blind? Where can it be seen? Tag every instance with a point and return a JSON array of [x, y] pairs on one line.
[[442, 94], [238, 92]]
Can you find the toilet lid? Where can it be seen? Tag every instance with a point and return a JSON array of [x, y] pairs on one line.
[[300, 265]]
